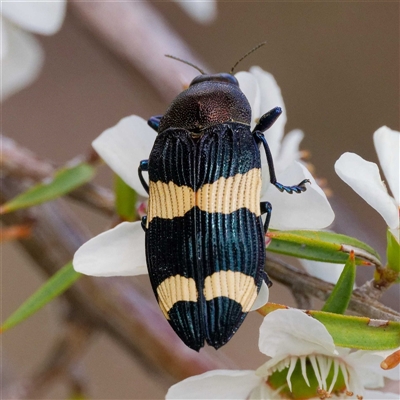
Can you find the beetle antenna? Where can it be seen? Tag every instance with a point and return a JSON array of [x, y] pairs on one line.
[[186, 62], [247, 54]]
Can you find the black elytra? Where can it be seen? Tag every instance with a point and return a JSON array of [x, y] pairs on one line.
[[205, 246]]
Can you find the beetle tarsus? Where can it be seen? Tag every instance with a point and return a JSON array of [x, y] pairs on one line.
[[301, 187], [154, 122], [143, 166]]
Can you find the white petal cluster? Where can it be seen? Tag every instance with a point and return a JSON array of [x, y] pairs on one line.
[[21, 55], [288, 337], [364, 177]]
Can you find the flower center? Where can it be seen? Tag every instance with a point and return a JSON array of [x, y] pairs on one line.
[[313, 376]]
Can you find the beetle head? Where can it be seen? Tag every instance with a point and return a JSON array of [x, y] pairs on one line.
[[221, 77]]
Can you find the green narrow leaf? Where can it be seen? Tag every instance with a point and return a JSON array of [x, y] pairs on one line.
[[125, 200], [321, 246], [360, 332], [339, 299], [64, 181], [55, 286], [393, 252]]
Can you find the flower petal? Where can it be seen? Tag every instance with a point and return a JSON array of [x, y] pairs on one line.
[[22, 59], [368, 359], [328, 272], [123, 146], [367, 364], [387, 145], [218, 384], [262, 297], [270, 97], [39, 16], [375, 395], [308, 210], [203, 11], [289, 151], [4, 38], [117, 252], [364, 178], [249, 86], [292, 332]]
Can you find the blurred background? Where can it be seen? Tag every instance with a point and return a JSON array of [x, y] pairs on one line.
[[336, 63]]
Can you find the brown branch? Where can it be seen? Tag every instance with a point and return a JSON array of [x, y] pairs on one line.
[[139, 35], [303, 301], [65, 355], [300, 282], [96, 197]]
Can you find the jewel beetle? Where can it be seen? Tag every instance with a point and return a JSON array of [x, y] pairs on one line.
[[205, 246]]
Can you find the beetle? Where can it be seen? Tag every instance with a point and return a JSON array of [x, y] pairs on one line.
[[205, 239]]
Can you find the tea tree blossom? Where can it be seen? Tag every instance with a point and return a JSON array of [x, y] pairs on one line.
[[364, 177], [21, 55], [120, 251], [304, 364]]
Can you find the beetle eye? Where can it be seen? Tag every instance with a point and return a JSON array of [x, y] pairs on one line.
[[222, 77]]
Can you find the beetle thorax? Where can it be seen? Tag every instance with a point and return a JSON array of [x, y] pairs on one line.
[[205, 104]]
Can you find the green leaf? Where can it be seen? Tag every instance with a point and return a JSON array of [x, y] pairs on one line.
[[339, 299], [360, 332], [55, 286], [64, 181], [393, 252], [322, 246], [125, 200]]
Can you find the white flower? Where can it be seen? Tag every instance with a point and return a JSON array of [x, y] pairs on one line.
[[304, 364], [203, 11], [328, 272], [120, 251], [21, 55], [310, 210], [364, 177]]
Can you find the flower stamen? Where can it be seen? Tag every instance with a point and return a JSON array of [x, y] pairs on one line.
[[335, 376], [316, 370], [345, 374], [304, 370], [293, 362], [322, 363]]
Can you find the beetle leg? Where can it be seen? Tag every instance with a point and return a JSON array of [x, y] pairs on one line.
[[268, 119], [301, 187], [144, 222], [266, 208], [266, 279], [143, 166], [154, 122]]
